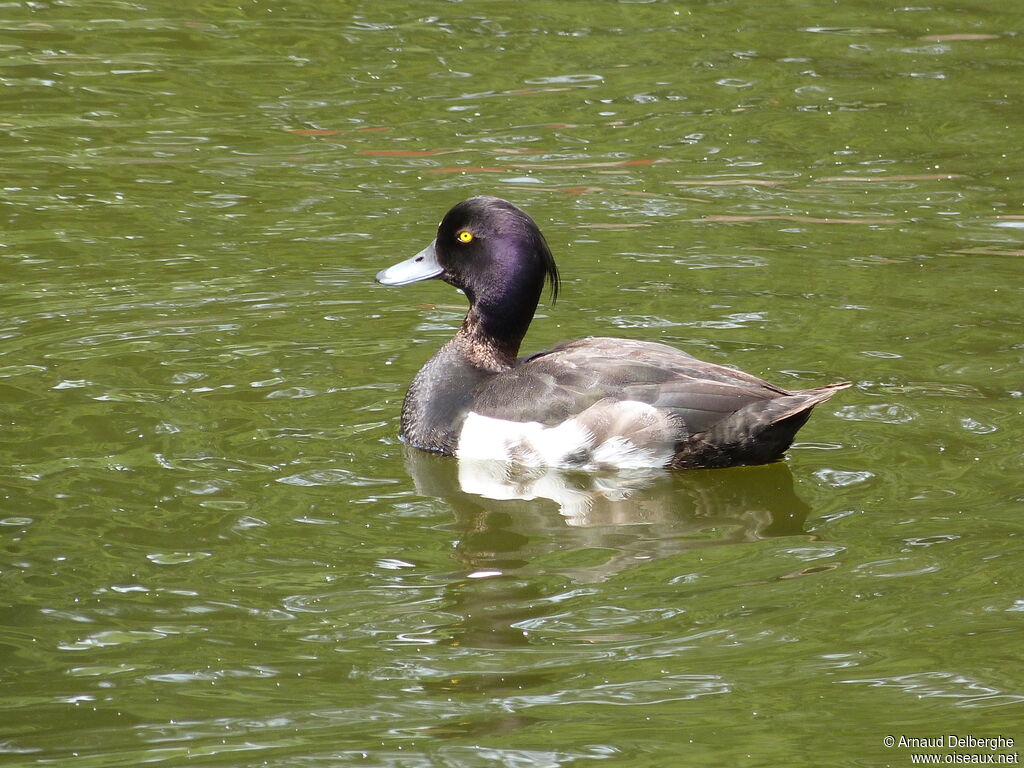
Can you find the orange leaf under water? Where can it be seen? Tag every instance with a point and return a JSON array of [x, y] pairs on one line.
[[405, 152], [801, 219], [516, 151], [472, 169], [577, 191], [989, 251], [620, 226], [958, 36], [728, 182], [315, 131], [919, 177], [546, 166]]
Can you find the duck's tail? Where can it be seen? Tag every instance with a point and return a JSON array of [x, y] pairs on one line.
[[758, 433]]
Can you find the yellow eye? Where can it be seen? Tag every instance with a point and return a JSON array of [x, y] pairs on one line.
[[465, 236]]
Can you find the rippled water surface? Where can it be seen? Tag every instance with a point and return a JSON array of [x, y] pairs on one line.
[[215, 551]]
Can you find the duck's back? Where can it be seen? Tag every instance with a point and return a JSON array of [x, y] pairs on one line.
[[632, 403]]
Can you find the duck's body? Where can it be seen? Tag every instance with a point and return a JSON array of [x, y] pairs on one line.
[[592, 402]]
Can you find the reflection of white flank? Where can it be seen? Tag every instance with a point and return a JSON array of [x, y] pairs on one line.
[[613, 434], [502, 480], [582, 500]]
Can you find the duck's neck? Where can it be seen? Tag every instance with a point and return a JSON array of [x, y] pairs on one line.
[[442, 392], [484, 345], [498, 320]]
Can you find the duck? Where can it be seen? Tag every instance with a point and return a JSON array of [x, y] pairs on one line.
[[591, 403]]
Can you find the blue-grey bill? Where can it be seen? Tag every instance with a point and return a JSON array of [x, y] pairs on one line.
[[422, 266]]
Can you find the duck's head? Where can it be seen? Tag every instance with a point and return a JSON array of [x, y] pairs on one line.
[[495, 253]]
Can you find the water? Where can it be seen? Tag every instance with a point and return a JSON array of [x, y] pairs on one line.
[[215, 550]]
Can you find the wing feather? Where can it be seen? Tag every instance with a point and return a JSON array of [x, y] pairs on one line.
[[562, 382]]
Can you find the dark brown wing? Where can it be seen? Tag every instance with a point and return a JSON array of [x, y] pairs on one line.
[[720, 416], [552, 386]]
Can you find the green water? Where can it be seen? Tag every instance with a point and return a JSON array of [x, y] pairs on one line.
[[215, 551]]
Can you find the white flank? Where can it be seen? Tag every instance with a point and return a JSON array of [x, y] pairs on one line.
[[569, 444], [619, 452], [524, 442]]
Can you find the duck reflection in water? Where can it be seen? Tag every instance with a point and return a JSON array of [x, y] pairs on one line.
[[639, 515], [529, 542]]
